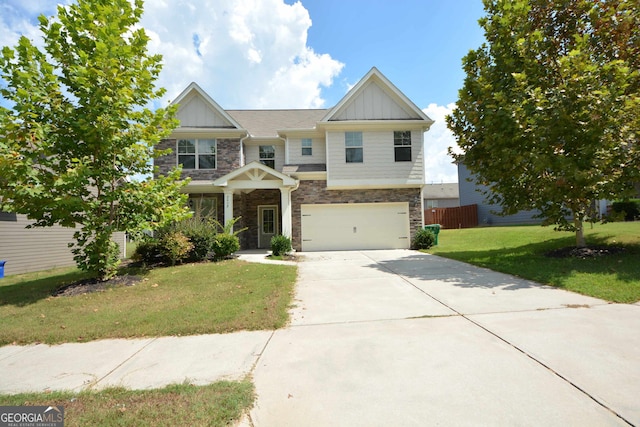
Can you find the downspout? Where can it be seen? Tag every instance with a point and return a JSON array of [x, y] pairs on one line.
[[242, 148]]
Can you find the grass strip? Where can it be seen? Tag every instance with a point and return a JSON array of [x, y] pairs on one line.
[[218, 404]]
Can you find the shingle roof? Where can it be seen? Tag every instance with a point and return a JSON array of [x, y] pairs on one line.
[[263, 123]]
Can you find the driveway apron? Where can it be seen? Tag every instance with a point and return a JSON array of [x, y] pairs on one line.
[[381, 338]]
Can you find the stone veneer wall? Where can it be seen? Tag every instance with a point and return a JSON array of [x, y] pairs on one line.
[[316, 192], [228, 152], [246, 206]]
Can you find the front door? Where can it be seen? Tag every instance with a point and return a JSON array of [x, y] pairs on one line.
[[268, 225]]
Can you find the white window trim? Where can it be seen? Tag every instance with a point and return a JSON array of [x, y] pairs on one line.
[[309, 147], [196, 154], [353, 147]]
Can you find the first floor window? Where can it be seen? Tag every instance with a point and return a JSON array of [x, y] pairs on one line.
[[307, 147], [268, 155], [353, 147], [197, 153], [203, 207], [402, 145]]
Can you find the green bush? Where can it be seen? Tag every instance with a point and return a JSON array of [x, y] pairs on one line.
[[225, 244], [201, 234], [280, 245], [424, 239], [175, 246], [629, 209], [147, 251]]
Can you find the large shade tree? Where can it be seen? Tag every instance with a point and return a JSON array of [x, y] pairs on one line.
[[548, 116], [77, 127]]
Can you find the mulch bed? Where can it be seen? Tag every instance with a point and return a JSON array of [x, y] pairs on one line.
[[93, 285], [584, 253]]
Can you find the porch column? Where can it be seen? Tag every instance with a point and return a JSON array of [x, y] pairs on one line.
[[285, 203], [228, 206]]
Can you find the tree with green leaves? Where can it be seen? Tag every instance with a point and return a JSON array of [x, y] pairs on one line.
[[549, 114], [78, 128]]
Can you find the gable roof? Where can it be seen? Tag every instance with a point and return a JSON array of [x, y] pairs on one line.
[[254, 172], [404, 108], [194, 90]]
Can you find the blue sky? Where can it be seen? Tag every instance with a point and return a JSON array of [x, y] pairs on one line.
[[302, 54]]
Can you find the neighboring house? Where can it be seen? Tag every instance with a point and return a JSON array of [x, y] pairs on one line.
[[472, 194], [349, 177], [441, 195], [37, 248]]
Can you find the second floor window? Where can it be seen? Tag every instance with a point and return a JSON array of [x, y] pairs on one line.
[[353, 147], [268, 155], [402, 145], [197, 153], [307, 147]]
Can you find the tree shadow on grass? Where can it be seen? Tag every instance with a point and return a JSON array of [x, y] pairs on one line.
[[30, 291], [527, 262]]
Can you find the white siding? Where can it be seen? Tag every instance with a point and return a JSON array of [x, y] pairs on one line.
[[252, 152], [319, 152], [196, 112], [34, 249], [373, 103], [379, 165]]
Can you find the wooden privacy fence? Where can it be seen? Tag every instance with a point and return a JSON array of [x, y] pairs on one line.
[[458, 217]]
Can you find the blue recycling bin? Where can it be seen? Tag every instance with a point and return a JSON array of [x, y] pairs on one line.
[[2, 268]]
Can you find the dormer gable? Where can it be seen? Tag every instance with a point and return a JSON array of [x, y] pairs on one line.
[[374, 97], [196, 109]]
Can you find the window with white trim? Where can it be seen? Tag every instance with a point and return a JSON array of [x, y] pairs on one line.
[[402, 145], [203, 207], [268, 155], [197, 153], [353, 147], [307, 147]]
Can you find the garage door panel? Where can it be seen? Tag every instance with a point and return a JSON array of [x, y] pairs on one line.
[[355, 226]]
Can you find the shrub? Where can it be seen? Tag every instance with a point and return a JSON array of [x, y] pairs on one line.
[[280, 245], [629, 209], [175, 246], [147, 251], [225, 244], [201, 234], [424, 239]]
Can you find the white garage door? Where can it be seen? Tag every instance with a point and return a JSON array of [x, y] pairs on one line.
[[352, 226]]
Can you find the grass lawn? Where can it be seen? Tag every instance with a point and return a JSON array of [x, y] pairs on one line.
[[520, 250], [217, 404], [183, 300]]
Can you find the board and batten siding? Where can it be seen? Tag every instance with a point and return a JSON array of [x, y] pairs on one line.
[[318, 152], [373, 103], [469, 195], [379, 166], [196, 112], [35, 249]]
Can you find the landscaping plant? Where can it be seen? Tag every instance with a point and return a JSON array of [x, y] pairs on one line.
[[280, 245]]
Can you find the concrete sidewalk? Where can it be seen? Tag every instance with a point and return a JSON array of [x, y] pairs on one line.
[[381, 338]]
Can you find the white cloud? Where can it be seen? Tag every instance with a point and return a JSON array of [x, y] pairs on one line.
[[438, 164], [244, 53]]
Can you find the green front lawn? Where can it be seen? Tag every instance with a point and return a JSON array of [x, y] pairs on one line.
[[217, 404], [520, 250], [189, 299]]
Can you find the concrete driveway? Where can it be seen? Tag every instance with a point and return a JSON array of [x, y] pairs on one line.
[[400, 338]]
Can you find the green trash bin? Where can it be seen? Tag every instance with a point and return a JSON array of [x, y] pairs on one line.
[[435, 229]]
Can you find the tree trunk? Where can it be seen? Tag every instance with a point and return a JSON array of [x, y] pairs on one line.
[[580, 242]]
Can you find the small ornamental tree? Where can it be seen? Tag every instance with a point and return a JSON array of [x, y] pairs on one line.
[[549, 114], [78, 129]]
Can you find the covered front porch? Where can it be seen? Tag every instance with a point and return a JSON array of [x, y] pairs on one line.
[[259, 195]]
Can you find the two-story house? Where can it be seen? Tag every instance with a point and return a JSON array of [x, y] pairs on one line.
[[348, 177]]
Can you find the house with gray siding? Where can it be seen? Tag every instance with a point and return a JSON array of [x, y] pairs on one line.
[[34, 249], [343, 178], [472, 194]]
